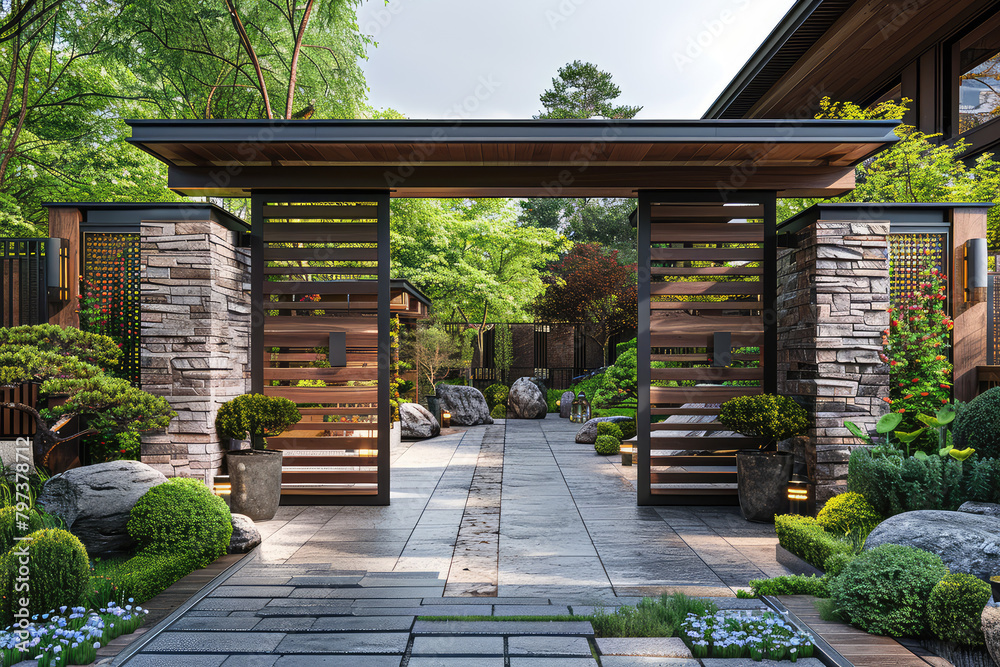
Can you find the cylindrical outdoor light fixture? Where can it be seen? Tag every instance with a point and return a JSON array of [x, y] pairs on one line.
[[976, 270]]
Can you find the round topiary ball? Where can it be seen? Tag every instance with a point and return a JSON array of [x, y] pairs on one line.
[[606, 445], [955, 609], [499, 411], [978, 425], [47, 570], [848, 512], [496, 394], [610, 428], [884, 591], [764, 416], [181, 515]]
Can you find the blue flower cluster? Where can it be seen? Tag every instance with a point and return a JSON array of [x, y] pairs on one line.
[[736, 634], [68, 635]]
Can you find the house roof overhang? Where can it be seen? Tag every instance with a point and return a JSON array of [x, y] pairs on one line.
[[520, 158]]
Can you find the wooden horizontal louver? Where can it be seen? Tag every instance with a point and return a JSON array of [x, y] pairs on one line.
[[321, 275], [706, 277]]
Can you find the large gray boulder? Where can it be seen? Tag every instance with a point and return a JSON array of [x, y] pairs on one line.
[[94, 501], [587, 434], [416, 421], [967, 543], [466, 404], [245, 535], [526, 400], [566, 404], [985, 509]]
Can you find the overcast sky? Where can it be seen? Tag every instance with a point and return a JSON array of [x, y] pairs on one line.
[[492, 59]]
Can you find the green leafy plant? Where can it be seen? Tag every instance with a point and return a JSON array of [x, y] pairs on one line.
[[955, 608], [256, 416], [145, 576], [496, 394], [886, 424], [836, 563], [499, 411], [978, 425], [35, 520], [181, 516], [58, 573], [607, 445], [885, 590], [805, 537], [628, 429], [610, 428], [847, 512], [764, 416], [795, 584]]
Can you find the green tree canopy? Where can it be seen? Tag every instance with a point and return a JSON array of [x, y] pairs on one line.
[[581, 90]]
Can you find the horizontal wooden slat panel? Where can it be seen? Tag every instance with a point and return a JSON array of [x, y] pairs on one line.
[[706, 305], [332, 270], [711, 374], [662, 461], [317, 339], [316, 426], [684, 211], [681, 426], [320, 254], [681, 411], [323, 443], [321, 212], [325, 374], [338, 411], [292, 459], [703, 356], [699, 394], [707, 271], [705, 232], [288, 490], [328, 477], [325, 394], [739, 339], [706, 324], [694, 491], [706, 254], [693, 477], [352, 357], [704, 443], [321, 287], [320, 232], [677, 288], [321, 324], [354, 307]]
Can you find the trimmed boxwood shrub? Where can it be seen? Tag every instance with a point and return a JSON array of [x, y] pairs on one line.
[[955, 609], [496, 394], [628, 429], [804, 537], [499, 411], [977, 425], [836, 563], [181, 516], [146, 575], [57, 573], [610, 428], [606, 445], [848, 512], [764, 416], [795, 584], [884, 591]]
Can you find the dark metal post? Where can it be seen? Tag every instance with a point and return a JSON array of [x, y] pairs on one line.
[[769, 287], [257, 294], [384, 351], [644, 494]]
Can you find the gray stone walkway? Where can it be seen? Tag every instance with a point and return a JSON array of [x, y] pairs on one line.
[[554, 531]]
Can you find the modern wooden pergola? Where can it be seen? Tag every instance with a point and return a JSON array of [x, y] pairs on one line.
[[320, 195]]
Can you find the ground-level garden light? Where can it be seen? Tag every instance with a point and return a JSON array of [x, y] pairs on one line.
[[445, 419], [798, 495]]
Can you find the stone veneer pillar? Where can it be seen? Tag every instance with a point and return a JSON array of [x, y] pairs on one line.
[[195, 337], [833, 295]]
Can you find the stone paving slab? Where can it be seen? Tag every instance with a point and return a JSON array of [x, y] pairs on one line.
[[190, 660], [337, 661], [222, 642], [360, 593], [529, 610], [489, 600], [424, 610], [305, 610], [646, 661], [231, 604], [364, 623], [516, 661], [344, 642], [424, 661], [455, 646], [216, 623], [747, 662], [661, 647], [548, 646], [551, 628], [252, 592]]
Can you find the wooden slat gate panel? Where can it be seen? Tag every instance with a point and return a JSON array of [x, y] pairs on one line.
[[707, 275], [328, 252]]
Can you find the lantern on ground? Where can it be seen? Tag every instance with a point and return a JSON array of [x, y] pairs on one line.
[[445, 419], [627, 452], [581, 409], [798, 495]]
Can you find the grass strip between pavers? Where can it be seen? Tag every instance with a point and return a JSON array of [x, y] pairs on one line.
[[528, 619]]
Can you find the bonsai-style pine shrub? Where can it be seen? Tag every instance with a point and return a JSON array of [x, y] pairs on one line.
[[955, 609], [804, 537], [496, 394], [764, 416], [607, 444], [58, 573], [610, 428], [499, 411], [884, 591], [848, 512], [181, 516], [978, 425], [795, 584], [256, 417]]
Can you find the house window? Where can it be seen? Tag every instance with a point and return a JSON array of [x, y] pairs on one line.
[[979, 78]]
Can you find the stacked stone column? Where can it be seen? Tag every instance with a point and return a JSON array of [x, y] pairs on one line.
[[833, 296]]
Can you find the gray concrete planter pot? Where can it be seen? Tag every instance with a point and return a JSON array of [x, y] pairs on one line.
[[762, 478], [255, 478]]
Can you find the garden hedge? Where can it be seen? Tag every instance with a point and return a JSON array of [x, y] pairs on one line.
[[977, 425], [805, 537], [955, 608], [607, 445], [791, 585]]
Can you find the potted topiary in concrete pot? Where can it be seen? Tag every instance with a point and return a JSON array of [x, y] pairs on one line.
[[762, 474], [255, 473]]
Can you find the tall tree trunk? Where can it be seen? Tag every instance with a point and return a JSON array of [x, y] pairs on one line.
[[252, 54], [293, 69]]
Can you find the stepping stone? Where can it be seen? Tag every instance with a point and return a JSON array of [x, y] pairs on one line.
[[661, 647], [455, 646], [548, 646], [251, 661], [326, 581], [540, 628], [420, 661], [344, 642]]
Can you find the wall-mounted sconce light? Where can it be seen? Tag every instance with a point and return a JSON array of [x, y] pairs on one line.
[[338, 349], [976, 270], [57, 269]]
